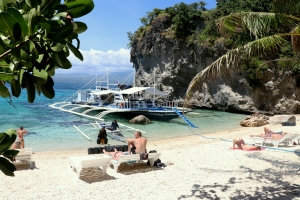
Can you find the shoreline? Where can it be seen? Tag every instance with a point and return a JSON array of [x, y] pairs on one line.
[[227, 134], [197, 168]]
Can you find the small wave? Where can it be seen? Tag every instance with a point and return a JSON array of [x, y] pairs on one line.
[[31, 133]]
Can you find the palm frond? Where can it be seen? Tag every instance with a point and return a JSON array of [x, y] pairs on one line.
[[224, 66], [258, 23], [286, 7]]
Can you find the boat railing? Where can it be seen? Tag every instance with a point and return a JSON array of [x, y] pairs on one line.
[[172, 104]]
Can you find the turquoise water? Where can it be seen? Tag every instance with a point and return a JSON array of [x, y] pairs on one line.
[[51, 129]]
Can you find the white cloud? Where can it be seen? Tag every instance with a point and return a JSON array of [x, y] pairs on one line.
[[97, 62]]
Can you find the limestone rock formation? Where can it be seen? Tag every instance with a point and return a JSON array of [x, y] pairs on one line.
[[255, 120], [282, 118], [175, 63], [140, 119]]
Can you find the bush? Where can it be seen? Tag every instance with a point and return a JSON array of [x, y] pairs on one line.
[[254, 69]]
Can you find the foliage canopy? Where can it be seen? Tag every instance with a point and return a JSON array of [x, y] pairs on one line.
[[36, 37]]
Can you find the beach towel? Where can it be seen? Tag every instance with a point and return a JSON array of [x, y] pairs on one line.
[[246, 150]]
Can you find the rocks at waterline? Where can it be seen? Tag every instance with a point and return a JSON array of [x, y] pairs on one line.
[[140, 119], [279, 119], [255, 120]]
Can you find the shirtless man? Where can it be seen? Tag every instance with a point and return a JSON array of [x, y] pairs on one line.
[[270, 134], [19, 143], [138, 144]]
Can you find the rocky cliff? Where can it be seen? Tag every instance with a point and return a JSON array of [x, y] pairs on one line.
[[176, 62]]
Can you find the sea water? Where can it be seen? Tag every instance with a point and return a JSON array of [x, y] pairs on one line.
[[51, 129]]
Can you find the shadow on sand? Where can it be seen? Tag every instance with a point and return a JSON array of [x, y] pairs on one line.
[[265, 190]]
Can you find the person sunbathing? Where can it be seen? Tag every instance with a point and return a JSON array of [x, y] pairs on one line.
[[270, 134], [115, 155], [240, 143]]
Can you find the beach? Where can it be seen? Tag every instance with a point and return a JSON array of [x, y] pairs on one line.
[[198, 167]]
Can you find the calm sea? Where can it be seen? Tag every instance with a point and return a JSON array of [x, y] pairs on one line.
[[51, 129]]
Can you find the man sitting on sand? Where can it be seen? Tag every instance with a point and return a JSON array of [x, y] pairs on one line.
[[138, 144], [240, 143], [270, 134]]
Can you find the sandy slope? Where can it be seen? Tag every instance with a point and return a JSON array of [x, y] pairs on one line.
[[197, 168]]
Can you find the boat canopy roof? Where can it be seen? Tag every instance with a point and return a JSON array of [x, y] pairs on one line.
[[150, 90], [104, 92]]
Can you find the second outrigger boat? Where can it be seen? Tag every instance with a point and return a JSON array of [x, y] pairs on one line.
[[92, 128]]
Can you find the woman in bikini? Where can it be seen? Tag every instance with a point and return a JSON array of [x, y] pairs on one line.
[[270, 134], [240, 143], [19, 143], [115, 155]]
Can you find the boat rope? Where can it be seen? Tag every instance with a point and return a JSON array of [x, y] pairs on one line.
[[209, 138]]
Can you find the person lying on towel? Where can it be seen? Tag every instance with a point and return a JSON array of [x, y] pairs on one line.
[[114, 155], [270, 134], [240, 143]]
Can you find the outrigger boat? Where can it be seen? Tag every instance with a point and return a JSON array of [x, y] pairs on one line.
[[93, 128], [128, 101]]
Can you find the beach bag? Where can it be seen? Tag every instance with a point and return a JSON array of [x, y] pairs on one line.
[[157, 162], [100, 149], [98, 141], [96, 151], [125, 148], [90, 150], [119, 147]]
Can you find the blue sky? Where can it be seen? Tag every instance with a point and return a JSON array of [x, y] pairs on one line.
[[104, 44]]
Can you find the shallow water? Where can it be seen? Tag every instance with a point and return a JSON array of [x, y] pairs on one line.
[[51, 129]]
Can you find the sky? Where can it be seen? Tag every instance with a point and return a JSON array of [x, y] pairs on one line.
[[104, 44]]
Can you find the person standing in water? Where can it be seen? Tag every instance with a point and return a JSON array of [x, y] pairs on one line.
[[114, 125], [19, 143]]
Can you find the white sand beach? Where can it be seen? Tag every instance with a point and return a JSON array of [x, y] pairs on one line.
[[197, 168]]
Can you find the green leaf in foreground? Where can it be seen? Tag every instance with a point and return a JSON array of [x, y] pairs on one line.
[[79, 8], [7, 167], [75, 51], [15, 87], [4, 92]]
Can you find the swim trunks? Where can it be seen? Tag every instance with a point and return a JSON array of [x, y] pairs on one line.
[[144, 156]]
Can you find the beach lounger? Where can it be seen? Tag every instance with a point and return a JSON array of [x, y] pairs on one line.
[[81, 162], [124, 159], [24, 155], [153, 157], [133, 158], [286, 140]]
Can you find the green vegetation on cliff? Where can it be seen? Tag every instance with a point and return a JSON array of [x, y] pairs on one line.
[[195, 24], [275, 40]]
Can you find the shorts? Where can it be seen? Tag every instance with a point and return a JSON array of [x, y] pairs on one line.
[[18, 144]]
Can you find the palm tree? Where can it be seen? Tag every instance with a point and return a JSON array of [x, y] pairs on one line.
[[271, 31]]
